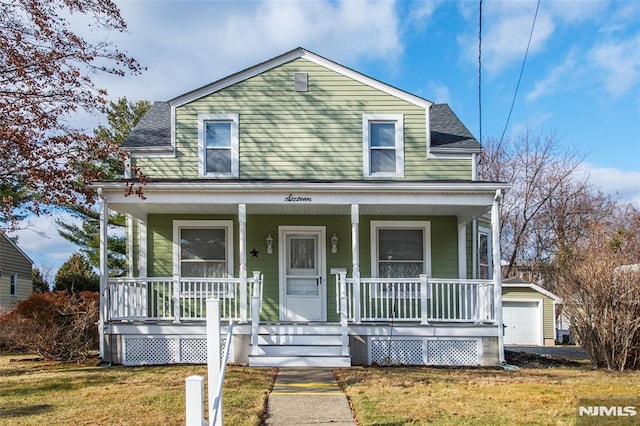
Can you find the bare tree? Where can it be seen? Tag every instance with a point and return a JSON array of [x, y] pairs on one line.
[[599, 281], [539, 171]]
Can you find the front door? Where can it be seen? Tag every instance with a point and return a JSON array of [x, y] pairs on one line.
[[302, 281]]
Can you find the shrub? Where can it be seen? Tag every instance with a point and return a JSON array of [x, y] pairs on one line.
[[57, 326]]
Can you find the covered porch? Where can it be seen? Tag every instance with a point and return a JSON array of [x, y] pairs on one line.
[[358, 311]]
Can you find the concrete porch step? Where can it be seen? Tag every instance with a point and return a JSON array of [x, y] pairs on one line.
[[300, 350], [299, 361]]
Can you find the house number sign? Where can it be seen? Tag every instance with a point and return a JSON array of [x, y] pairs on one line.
[[296, 199]]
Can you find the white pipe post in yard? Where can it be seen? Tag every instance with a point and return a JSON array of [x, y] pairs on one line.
[[213, 357], [194, 401]]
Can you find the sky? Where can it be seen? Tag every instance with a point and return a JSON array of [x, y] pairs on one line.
[[580, 81]]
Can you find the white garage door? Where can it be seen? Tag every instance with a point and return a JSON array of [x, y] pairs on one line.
[[522, 323]]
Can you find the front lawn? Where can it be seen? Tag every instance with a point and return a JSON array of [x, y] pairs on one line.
[[542, 395], [544, 392], [36, 393]]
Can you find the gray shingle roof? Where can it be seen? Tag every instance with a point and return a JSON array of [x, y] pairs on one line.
[[447, 131], [153, 130]]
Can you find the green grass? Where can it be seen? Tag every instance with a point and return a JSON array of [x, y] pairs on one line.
[[36, 392], [466, 396]]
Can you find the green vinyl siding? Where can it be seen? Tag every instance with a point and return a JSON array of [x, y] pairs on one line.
[[160, 249], [528, 293], [316, 134]]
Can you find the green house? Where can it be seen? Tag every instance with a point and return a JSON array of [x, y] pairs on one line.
[[335, 218]]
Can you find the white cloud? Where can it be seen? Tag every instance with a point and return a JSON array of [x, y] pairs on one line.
[[557, 78], [215, 39], [577, 11], [421, 12], [506, 31], [616, 182], [618, 63], [40, 240], [438, 93]]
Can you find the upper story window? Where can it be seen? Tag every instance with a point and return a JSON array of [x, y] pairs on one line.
[[218, 145], [383, 145]]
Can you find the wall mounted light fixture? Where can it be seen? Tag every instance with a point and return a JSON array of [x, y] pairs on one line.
[[269, 244], [334, 244]]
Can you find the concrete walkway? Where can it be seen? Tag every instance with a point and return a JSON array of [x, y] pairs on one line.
[[307, 396]]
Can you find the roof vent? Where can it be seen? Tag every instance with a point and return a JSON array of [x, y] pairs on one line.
[[301, 82]]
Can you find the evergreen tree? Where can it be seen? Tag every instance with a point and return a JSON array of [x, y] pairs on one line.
[[40, 284], [122, 117], [76, 275]]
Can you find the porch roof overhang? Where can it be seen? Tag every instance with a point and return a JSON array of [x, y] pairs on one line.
[[465, 199]]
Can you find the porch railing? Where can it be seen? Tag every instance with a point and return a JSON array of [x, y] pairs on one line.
[[179, 298], [418, 299]]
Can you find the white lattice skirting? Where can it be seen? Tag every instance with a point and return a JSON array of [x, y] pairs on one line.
[[407, 351], [166, 350]]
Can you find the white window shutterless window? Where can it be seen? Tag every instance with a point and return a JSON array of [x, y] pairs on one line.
[[203, 248], [484, 253], [218, 145], [383, 145], [401, 249]]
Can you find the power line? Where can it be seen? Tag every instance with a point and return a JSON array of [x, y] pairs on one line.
[[521, 71], [480, 69]]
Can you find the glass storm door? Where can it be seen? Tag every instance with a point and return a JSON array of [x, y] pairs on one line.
[[302, 282]]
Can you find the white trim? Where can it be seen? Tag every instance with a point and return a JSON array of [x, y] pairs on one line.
[[143, 248], [203, 224], [320, 231], [398, 120], [534, 287], [393, 224], [291, 56], [462, 250], [540, 314], [129, 220], [338, 186], [485, 230], [233, 120]]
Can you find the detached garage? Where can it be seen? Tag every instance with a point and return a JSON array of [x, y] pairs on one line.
[[528, 313]]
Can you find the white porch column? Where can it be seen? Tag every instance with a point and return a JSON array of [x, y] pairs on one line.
[[142, 248], [104, 217], [355, 255], [462, 250], [242, 247], [497, 272]]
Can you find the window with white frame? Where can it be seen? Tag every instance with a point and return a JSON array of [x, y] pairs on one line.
[[400, 249], [484, 253], [218, 142], [13, 285], [383, 145], [203, 248]]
